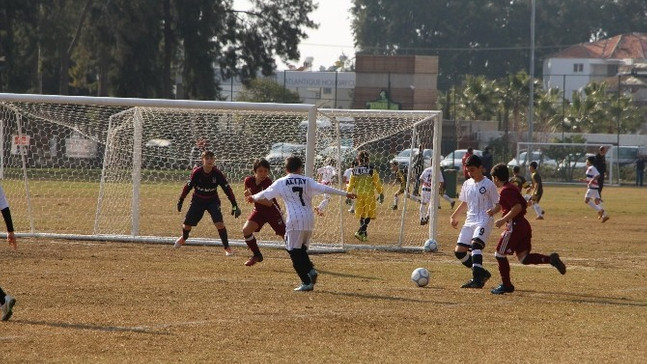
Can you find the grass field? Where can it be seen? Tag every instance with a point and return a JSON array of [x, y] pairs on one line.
[[115, 302]]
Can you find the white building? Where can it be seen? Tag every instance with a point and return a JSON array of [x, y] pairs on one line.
[[575, 67]]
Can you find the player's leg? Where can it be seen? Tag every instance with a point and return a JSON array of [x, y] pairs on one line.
[[463, 246], [300, 261], [6, 305], [191, 219], [425, 198], [322, 205], [538, 210], [249, 228], [480, 275], [216, 217], [504, 246]]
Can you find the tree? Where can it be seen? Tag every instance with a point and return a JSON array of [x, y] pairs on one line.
[[267, 90]]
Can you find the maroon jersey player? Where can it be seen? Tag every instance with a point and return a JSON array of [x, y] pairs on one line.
[[204, 181], [265, 211], [517, 234]]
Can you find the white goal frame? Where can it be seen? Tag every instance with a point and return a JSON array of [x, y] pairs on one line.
[[133, 105]]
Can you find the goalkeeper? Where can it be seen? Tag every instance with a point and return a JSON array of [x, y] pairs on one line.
[[204, 181], [365, 180]]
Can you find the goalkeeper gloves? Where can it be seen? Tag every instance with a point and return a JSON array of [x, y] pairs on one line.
[[179, 205], [380, 198], [235, 211]]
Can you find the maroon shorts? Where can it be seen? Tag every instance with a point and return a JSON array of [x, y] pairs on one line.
[[271, 217], [515, 238]]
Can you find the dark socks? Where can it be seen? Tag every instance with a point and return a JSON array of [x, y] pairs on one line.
[[185, 233], [223, 237], [252, 245], [301, 263], [535, 258], [465, 258], [504, 270], [363, 224]]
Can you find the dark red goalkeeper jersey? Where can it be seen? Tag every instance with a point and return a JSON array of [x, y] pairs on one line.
[[206, 185], [510, 196]]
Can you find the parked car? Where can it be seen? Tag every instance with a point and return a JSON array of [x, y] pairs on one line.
[[624, 155], [455, 159], [574, 161], [404, 156], [280, 151], [535, 156]]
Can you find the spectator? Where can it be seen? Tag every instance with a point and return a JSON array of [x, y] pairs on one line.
[[488, 163], [469, 153], [640, 170]]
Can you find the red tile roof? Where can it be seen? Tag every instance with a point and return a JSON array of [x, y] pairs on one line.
[[633, 46]]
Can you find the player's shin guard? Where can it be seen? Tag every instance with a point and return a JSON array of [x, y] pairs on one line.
[[364, 224], [252, 245], [301, 264], [465, 258], [537, 209], [223, 237], [535, 258], [594, 206], [477, 258], [504, 270], [185, 233]]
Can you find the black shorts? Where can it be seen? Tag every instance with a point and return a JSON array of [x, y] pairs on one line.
[[197, 209]]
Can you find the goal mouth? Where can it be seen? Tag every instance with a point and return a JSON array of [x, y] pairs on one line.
[[112, 169]]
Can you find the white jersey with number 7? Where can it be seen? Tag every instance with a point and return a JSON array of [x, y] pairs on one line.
[[297, 192]]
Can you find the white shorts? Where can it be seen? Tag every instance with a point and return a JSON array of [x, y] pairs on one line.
[[296, 239], [592, 194], [425, 195], [472, 230]]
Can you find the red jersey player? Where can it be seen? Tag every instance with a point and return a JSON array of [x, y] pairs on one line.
[[265, 211], [517, 234], [205, 181]]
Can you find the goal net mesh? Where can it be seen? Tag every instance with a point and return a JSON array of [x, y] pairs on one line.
[[112, 169]]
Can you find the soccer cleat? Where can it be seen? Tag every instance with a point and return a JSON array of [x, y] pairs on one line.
[[501, 289], [604, 219], [7, 308], [179, 242], [424, 220], [313, 274], [394, 207], [351, 211], [253, 260], [539, 218], [471, 284], [228, 252], [481, 275], [600, 214], [557, 263], [304, 287], [361, 236], [452, 204]]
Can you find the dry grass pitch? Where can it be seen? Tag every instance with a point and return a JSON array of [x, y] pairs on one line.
[[116, 302]]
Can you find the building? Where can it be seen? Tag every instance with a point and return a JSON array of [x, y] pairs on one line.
[[575, 67]]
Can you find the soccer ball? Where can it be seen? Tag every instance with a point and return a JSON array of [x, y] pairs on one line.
[[430, 246], [420, 276]]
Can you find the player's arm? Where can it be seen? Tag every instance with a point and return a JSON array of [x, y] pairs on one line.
[[321, 188], [514, 211], [495, 210], [453, 219], [188, 186]]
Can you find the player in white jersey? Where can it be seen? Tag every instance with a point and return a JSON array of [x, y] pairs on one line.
[[326, 176], [592, 196], [478, 195], [297, 191], [347, 173], [425, 196], [7, 302]]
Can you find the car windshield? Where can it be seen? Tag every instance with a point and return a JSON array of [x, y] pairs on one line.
[[405, 153]]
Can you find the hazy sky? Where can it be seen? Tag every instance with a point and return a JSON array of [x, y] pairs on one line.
[[330, 40]]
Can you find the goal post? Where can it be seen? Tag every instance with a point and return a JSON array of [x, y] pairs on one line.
[[112, 169]]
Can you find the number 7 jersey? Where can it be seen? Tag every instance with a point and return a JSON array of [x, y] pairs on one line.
[[297, 192]]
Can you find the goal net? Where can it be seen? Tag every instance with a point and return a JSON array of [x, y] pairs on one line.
[[562, 162], [112, 169]]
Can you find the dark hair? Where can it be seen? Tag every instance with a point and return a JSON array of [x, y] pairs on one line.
[[591, 159], [533, 164], [207, 153], [363, 157], [395, 163], [261, 162], [501, 172], [473, 161], [293, 163], [516, 169], [470, 150]]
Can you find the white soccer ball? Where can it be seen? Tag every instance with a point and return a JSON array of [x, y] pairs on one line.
[[430, 246], [420, 276]]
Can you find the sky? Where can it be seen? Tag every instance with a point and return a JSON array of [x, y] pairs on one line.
[[330, 40]]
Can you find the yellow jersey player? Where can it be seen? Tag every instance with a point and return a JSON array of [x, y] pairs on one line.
[[365, 181]]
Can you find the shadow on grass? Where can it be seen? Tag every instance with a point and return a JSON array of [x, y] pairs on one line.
[[67, 325], [386, 298], [591, 299]]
